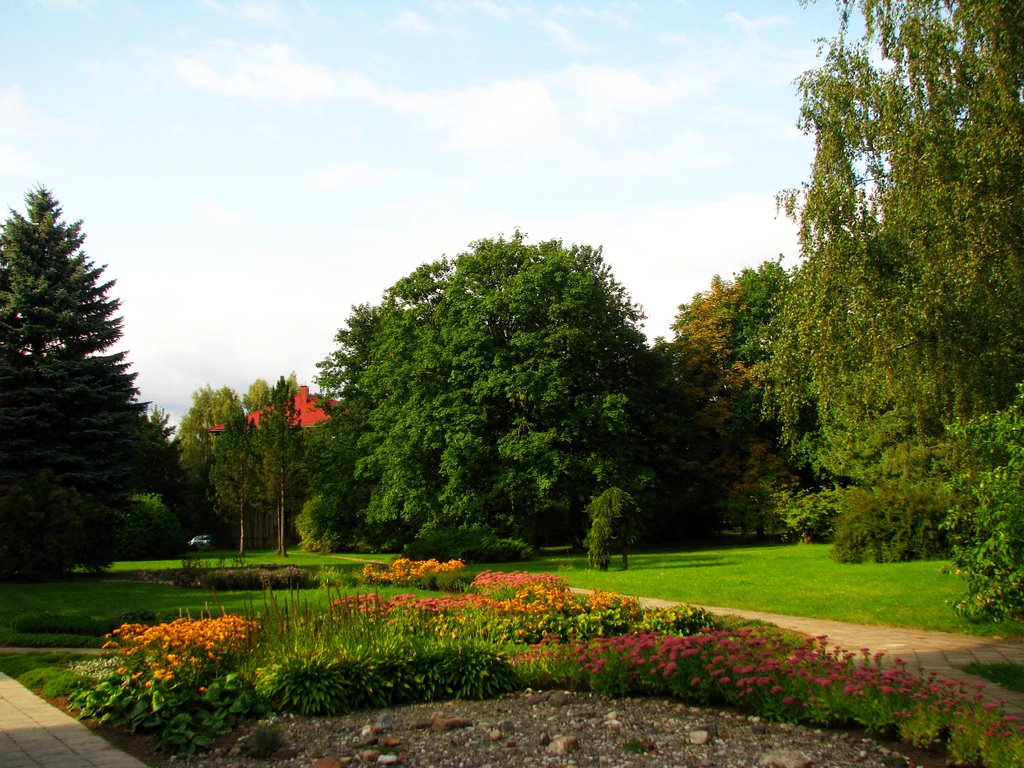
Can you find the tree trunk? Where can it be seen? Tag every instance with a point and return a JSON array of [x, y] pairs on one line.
[[281, 551]]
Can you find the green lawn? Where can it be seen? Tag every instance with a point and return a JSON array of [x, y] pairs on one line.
[[795, 579], [800, 580]]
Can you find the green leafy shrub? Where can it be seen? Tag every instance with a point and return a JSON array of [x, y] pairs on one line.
[[250, 577], [896, 521], [809, 515], [146, 529], [315, 685], [475, 544], [405, 672], [987, 527], [47, 529], [58, 624]]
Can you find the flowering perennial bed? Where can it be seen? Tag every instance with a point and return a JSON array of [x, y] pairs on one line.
[[193, 679]]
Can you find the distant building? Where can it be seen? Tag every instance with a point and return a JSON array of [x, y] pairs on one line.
[[307, 411]]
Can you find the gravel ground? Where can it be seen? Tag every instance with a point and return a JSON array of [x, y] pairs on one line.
[[552, 730]]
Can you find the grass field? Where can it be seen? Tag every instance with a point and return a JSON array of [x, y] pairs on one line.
[[798, 580]]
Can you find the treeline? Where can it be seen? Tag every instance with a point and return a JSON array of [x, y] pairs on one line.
[[869, 395]]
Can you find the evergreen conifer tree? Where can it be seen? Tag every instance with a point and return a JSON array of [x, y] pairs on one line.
[[67, 403]]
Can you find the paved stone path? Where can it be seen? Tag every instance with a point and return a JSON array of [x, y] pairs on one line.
[[34, 734]]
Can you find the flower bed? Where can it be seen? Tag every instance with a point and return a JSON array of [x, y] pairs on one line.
[[190, 680]]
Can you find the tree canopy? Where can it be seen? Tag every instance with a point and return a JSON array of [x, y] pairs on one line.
[[904, 316], [496, 388]]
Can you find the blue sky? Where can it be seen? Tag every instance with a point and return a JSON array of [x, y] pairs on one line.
[[247, 171]]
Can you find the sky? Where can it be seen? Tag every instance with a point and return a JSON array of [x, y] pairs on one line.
[[248, 170]]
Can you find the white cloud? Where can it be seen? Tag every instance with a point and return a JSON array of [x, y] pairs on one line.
[[223, 218], [753, 26], [355, 177], [269, 72], [564, 37], [13, 162], [16, 116], [266, 12], [411, 21]]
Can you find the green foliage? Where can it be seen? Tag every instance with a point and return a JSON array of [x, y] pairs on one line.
[[48, 528], [722, 341], [146, 528], [156, 463], [67, 404], [249, 577], [471, 544], [52, 681], [187, 718], [315, 685], [613, 521], [234, 473], [895, 521], [904, 316], [987, 528], [809, 515], [492, 389], [279, 446]]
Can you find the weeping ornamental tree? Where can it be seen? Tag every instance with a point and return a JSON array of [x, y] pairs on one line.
[[67, 403], [905, 315], [614, 524]]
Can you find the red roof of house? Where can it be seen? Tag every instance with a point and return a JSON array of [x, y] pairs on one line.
[[307, 411]]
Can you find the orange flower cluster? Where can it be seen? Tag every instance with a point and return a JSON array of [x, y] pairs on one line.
[[184, 647], [404, 572]]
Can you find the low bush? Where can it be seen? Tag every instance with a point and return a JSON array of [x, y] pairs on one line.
[[474, 544], [146, 529], [987, 526], [809, 515], [196, 575], [896, 521], [47, 529], [409, 671]]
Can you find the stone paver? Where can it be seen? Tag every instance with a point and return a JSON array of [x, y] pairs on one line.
[[34, 734]]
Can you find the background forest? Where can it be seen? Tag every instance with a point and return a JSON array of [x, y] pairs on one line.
[[868, 396]]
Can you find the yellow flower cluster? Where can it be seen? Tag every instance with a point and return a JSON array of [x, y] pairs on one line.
[[539, 597], [182, 647], [404, 572]]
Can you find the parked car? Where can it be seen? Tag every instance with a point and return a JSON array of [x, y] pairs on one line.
[[202, 541]]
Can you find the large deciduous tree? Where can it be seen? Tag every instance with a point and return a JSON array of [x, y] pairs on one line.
[[905, 315], [496, 387], [722, 342]]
